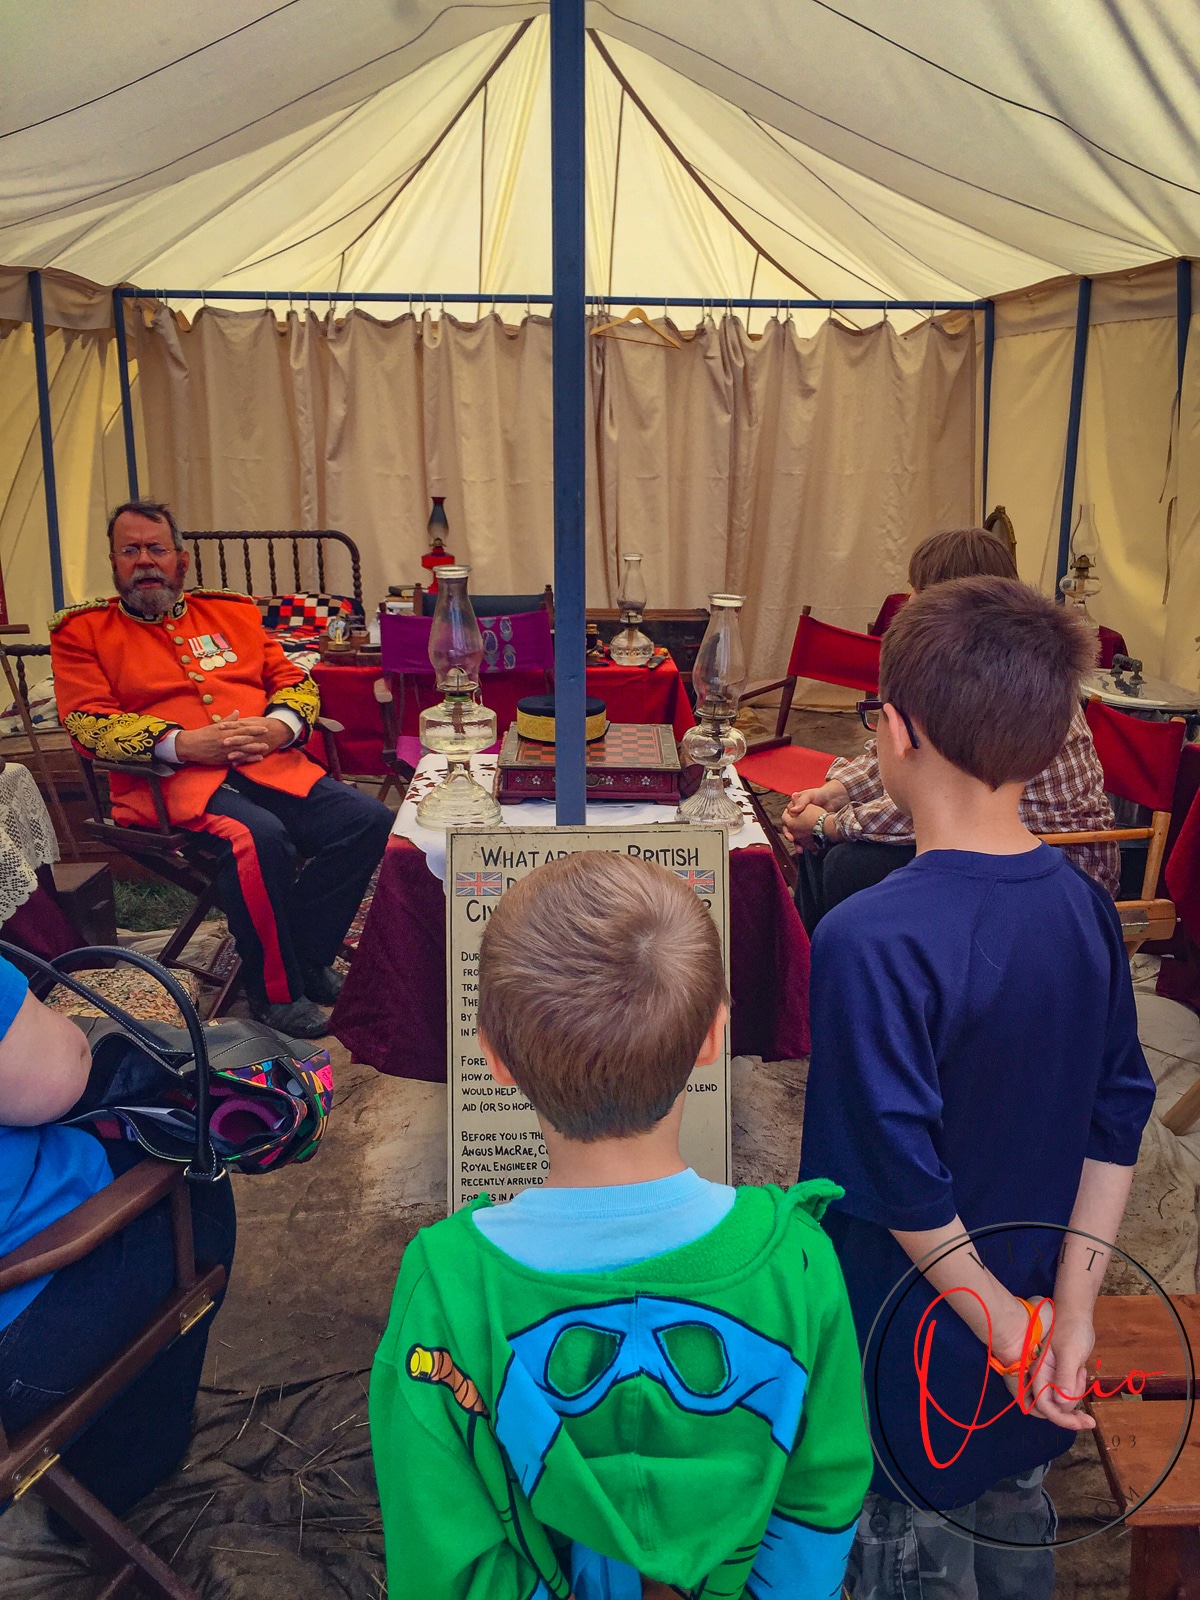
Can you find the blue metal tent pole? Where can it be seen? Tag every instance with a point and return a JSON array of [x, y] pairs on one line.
[[1082, 318], [126, 394], [47, 432], [1183, 315], [989, 352], [570, 405]]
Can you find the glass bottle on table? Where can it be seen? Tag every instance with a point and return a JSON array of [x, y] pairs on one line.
[[630, 647], [459, 726]]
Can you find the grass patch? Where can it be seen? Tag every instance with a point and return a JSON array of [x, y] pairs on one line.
[[149, 905]]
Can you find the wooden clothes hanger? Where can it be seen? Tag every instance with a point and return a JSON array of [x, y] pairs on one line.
[[607, 330]]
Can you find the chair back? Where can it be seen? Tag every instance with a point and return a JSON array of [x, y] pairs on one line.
[[834, 655], [1140, 759], [887, 614], [497, 605], [510, 643]]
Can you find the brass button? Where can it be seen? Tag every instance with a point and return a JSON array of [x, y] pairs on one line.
[[199, 676], [178, 640], [216, 716], [206, 699], [185, 658]]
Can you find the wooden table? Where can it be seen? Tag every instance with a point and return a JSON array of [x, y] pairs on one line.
[[1137, 1439], [1137, 1331]]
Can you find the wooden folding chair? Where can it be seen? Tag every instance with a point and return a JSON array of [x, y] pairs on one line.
[[30, 1460], [188, 859], [1140, 761]]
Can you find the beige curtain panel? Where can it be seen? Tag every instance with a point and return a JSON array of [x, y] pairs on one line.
[[796, 470]]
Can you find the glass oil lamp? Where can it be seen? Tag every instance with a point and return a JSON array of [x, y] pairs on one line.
[[719, 676], [1080, 583], [460, 726], [630, 647]]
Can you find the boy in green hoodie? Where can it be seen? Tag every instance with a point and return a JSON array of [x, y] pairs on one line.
[[629, 1373]]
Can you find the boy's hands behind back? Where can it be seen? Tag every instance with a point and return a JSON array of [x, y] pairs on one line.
[[1056, 1386]]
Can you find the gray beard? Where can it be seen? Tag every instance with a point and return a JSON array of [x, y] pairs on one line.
[[150, 601]]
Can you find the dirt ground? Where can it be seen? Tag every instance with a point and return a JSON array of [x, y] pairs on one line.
[[276, 1498]]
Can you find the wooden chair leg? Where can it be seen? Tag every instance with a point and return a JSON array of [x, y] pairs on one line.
[[785, 708], [109, 1537], [178, 942]]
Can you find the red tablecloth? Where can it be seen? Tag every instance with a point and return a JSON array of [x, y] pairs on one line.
[[392, 1010], [632, 694]]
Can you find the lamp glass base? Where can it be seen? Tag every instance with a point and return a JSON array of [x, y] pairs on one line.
[[711, 806], [459, 802]]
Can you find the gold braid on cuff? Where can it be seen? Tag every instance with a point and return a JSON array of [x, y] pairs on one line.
[[304, 698], [125, 736]]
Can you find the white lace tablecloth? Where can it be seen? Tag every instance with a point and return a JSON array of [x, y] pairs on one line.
[[27, 839], [540, 813]]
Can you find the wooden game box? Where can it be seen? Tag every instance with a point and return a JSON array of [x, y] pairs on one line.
[[633, 761]]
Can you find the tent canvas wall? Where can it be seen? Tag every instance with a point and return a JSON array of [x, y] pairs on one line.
[[844, 152]]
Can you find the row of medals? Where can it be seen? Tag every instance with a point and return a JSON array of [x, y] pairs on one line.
[[207, 659]]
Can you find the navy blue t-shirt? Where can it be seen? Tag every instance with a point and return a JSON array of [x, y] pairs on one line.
[[974, 1040]]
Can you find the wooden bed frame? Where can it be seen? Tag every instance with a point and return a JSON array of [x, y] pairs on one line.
[[292, 536]]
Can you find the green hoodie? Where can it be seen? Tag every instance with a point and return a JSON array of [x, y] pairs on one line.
[[696, 1417]]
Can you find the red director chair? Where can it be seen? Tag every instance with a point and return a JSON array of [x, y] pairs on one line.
[[1140, 760], [830, 655]]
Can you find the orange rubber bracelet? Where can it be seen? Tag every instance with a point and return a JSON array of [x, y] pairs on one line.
[[1035, 1340]]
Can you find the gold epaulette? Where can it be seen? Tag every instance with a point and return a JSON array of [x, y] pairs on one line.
[[219, 594], [59, 617]]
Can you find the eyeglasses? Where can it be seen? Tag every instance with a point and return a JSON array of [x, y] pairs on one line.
[[156, 552], [870, 714]]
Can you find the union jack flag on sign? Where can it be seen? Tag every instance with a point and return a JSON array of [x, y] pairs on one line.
[[480, 885], [703, 882]]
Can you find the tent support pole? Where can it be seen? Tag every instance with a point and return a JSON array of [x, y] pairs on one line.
[[570, 405], [1082, 319], [46, 429], [989, 352], [126, 393], [1183, 314]]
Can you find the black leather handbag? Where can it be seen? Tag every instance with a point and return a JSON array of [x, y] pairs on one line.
[[226, 1096]]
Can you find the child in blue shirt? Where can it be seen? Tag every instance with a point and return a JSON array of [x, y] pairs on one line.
[[975, 1065]]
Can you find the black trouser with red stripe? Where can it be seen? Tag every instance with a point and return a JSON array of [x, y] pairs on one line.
[[286, 922]]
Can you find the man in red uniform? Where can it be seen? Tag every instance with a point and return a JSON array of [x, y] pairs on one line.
[[192, 680]]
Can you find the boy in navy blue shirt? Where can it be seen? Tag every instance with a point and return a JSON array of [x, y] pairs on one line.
[[975, 1066]]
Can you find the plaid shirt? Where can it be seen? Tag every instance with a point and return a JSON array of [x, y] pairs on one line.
[[1068, 797]]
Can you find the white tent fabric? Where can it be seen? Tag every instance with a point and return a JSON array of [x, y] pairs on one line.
[[866, 149], [784, 149]]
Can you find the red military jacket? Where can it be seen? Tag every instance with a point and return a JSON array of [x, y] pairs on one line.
[[122, 682]]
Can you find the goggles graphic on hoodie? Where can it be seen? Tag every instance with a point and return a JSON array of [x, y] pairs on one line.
[[708, 1363]]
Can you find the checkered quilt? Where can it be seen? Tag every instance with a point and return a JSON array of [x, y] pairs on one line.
[[305, 615]]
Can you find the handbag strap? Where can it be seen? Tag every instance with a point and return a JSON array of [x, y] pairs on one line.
[[204, 1166]]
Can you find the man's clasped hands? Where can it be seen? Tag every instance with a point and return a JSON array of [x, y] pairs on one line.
[[806, 805], [235, 741]]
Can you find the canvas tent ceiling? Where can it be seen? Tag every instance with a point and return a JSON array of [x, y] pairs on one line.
[[866, 149]]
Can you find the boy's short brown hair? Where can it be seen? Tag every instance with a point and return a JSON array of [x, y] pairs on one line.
[[990, 670], [599, 976], [959, 553]]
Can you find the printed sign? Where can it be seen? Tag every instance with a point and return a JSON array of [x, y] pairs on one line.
[[495, 1142]]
